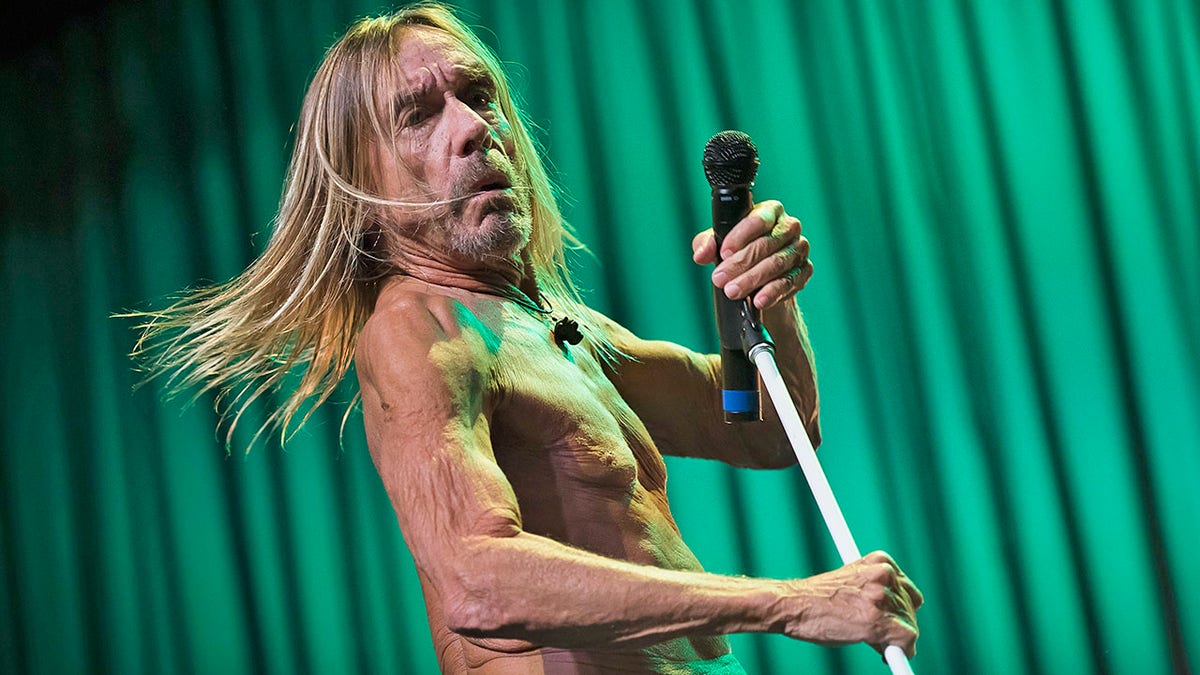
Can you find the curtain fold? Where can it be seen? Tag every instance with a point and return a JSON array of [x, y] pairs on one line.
[[1002, 203]]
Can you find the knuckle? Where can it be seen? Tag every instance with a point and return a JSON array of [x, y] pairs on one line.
[[803, 245], [781, 261], [874, 594], [889, 574], [760, 247], [882, 573], [736, 262], [881, 558], [741, 262], [767, 215], [793, 226]]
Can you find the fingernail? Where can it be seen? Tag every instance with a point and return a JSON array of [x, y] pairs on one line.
[[732, 291], [719, 278]]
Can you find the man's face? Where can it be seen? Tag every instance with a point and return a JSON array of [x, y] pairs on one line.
[[453, 154]]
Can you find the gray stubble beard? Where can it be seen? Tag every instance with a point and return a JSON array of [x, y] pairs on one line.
[[505, 239]]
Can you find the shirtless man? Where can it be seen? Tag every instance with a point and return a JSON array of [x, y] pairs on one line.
[[418, 237], [526, 474]]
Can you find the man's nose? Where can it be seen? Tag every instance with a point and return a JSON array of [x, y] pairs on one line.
[[470, 132]]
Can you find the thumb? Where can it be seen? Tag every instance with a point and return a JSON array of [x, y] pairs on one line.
[[704, 248]]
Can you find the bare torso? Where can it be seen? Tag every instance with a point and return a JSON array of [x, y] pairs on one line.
[[584, 470]]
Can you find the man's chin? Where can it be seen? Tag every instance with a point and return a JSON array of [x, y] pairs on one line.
[[499, 234]]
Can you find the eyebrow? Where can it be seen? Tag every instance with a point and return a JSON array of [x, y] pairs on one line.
[[472, 74]]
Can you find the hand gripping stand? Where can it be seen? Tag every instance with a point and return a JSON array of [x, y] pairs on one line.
[[758, 346]]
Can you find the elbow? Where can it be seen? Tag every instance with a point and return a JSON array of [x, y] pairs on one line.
[[484, 624], [471, 616], [487, 623], [473, 599]]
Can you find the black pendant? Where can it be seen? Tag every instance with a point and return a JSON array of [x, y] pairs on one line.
[[566, 330]]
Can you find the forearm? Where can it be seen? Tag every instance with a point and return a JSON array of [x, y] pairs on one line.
[[794, 354], [677, 394], [764, 444], [532, 588]]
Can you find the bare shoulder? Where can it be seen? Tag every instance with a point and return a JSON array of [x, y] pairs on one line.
[[405, 316], [412, 321], [421, 349]]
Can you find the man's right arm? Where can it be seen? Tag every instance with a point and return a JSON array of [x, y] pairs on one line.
[[427, 411]]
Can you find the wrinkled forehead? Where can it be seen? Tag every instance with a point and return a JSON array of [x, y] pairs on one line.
[[430, 59]]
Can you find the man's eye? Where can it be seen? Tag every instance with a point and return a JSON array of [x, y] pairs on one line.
[[413, 117], [481, 98]]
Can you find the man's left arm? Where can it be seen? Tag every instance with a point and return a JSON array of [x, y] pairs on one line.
[[677, 392]]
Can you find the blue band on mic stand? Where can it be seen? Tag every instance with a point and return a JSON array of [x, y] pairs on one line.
[[739, 400]]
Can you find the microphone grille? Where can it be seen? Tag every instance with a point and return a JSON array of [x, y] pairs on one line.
[[730, 158]]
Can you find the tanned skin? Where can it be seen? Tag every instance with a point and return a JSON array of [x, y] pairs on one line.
[[528, 477]]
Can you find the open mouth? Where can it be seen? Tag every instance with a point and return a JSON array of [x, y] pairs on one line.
[[492, 181], [494, 185]]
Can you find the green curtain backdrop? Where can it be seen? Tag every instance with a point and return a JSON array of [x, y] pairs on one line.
[[1002, 202]]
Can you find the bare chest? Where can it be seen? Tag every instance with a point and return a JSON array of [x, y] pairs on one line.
[[582, 466], [560, 417]]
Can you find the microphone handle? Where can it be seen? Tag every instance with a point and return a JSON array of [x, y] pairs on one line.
[[740, 396]]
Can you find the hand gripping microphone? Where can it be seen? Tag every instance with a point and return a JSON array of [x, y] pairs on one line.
[[730, 162]]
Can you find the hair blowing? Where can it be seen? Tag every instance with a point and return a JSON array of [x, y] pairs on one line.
[[294, 315]]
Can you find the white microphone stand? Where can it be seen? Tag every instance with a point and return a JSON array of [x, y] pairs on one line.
[[761, 351]]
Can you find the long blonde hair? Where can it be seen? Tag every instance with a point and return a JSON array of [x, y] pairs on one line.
[[298, 308]]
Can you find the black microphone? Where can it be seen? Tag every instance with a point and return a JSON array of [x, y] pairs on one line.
[[730, 162]]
